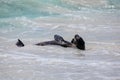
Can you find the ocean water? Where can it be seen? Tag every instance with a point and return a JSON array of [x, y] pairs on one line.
[[33, 21]]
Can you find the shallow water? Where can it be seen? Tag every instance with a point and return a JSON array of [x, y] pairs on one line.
[[35, 21]]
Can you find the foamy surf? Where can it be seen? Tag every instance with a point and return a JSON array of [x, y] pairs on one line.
[[53, 62]]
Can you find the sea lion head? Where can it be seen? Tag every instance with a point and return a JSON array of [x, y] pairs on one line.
[[79, 42]]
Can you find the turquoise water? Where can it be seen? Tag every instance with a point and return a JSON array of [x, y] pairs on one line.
[[20, 16], [42, 8], [97, 21], [16, 8]]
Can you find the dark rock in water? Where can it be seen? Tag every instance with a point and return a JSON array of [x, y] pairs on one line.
[[20, 43]]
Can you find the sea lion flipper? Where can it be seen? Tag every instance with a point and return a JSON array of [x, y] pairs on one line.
[[61, 41], [20, 43], [58, 38]]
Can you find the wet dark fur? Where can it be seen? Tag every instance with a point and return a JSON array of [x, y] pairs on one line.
[[58, 41], [51, 43], [79, 42]]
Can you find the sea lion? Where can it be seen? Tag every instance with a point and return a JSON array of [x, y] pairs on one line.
[[77, 41]]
